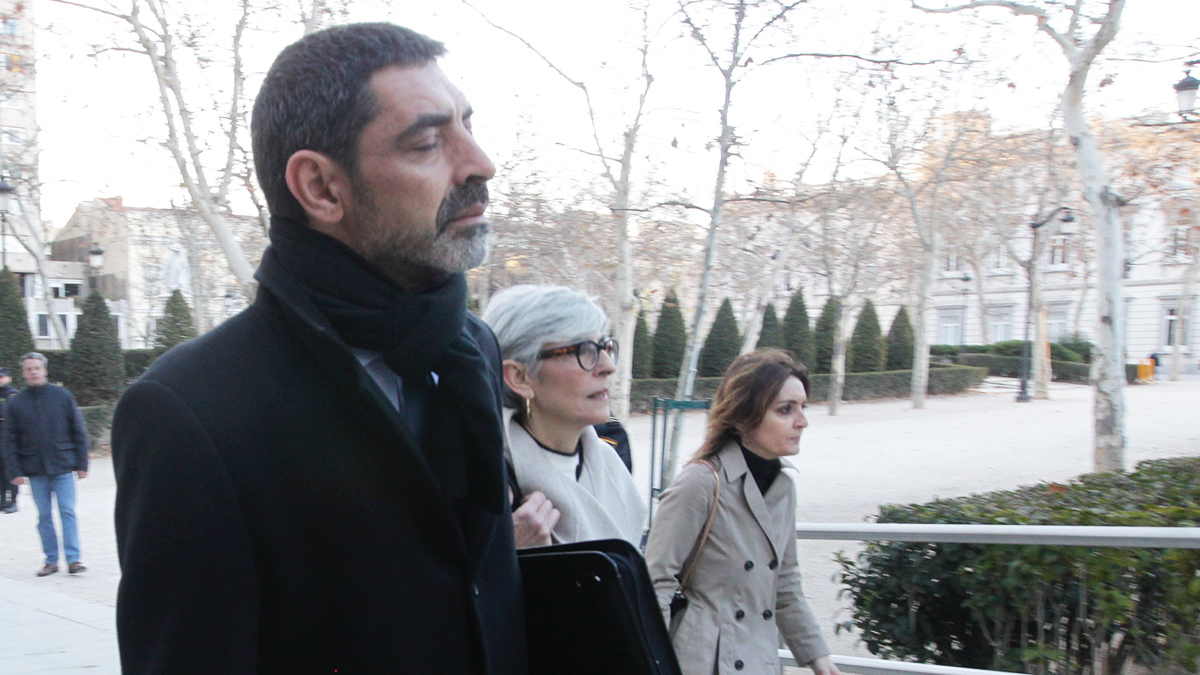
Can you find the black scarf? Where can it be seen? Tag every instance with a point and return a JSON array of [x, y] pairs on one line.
[[418, 333]]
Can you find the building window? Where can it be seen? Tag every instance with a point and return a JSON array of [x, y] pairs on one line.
[[71, 290], [14, 64], [10, 26], [12, 99], [11, 135], [1056, 323], [951, 263], [950, 326], [1170, 319], [43, 325], [999, 260], [1000, 325], [1058, 251]]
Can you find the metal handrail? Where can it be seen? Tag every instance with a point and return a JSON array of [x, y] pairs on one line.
[[1046, 535], [1049, 535]]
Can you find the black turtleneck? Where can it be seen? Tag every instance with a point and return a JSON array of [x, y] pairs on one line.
[[764, 470]]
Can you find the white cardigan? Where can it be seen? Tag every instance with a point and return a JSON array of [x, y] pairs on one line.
[[603, 504]]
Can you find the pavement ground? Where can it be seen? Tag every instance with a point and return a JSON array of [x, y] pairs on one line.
[[872, 453]]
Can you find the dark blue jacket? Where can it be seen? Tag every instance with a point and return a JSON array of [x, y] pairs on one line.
[[43, 433]]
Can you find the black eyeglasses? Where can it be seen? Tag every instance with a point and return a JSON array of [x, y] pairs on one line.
[[587, 352]]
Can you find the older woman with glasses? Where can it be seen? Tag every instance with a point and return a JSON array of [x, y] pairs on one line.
[[558, 359]]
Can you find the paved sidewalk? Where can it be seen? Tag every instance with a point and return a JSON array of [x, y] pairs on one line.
[[46, 631]]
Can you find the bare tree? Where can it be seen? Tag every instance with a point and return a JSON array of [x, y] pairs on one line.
[[617, 170], [1082, 36]]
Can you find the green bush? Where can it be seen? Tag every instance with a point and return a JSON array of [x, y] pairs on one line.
[[670, 339], [1057, 351], [59, 366], [900, 342], [865, 351], [137, 361], [1062, 371], [944, 350], [1039, 609], [98, 420], [643, 348], [976, 349], [15, 338], [771, 333], [797, 332], [97, 365], [175, 325], [1078, 343], [721, 345], [823, 336]]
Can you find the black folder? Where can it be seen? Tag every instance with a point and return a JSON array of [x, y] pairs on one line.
[[590, 609]]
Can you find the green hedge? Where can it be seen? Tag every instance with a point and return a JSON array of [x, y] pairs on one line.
[[137, 361], [98, 419], [1039, 609], [1063, 371], [944, 380]]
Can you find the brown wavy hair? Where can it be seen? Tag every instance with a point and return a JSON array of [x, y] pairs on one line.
[[750, 386]]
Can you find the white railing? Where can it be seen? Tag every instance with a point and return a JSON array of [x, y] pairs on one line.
[[1046, 535]]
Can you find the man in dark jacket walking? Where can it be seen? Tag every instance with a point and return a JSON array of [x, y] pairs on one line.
[[44, 441], [8, 491], [317, 485]]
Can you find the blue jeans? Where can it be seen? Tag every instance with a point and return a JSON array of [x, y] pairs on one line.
[[62, 487]]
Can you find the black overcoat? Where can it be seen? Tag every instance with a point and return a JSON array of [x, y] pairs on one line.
[[274, 515]]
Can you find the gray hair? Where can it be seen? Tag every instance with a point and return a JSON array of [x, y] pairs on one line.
[[526, 317], [35, 355]]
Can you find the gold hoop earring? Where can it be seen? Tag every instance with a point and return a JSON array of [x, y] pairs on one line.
[[528, 410]]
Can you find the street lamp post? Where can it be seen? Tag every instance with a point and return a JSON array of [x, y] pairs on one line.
[[962, 338], [1185, 89], [1067, 217]]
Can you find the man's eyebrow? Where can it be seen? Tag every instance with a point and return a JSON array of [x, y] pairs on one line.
[[424, 122], [430, 120]]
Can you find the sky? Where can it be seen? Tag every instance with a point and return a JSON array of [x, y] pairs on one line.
[[101, 128]]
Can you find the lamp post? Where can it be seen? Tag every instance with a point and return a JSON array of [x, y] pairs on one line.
[[95, 262], [6, 191], [1185, 89], [1067, 217]]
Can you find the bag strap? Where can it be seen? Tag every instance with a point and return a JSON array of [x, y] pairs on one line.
[[708, 523]]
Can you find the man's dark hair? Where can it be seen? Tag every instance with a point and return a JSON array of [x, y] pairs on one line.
[[316, 97]]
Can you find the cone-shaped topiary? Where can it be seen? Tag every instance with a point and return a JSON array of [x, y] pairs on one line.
[[771, 333], [900, 342], [176, 325], [643, 349], [669, 340], [865, 354], [722, 345], [797, 332], [15, 338], [823, 337], [98, 366]]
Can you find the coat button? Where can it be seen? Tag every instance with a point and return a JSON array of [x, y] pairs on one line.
[[738, 665], [773, 564], [476, 591], [739, 615], [749, 565], [767, 614]]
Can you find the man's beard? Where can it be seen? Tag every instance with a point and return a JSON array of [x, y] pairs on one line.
[[422, 257]]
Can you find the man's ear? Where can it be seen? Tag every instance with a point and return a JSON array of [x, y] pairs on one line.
[[322, 187], [517, 379]]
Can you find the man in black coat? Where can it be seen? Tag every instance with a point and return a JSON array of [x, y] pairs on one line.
[[44, 441], [8, 491], [317, 485]]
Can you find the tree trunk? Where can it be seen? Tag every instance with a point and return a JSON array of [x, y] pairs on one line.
[[1108, 356], [920, 375], [837, 368], [1039, 365]]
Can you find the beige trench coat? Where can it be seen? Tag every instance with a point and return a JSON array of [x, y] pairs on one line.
[[746, 590]]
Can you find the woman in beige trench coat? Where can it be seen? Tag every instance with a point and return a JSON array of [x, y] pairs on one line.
[[745, 588]]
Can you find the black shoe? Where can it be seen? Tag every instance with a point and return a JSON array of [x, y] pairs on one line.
[[11, 508]]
